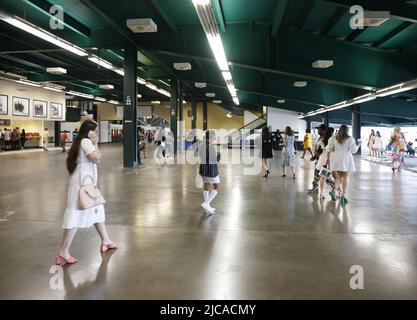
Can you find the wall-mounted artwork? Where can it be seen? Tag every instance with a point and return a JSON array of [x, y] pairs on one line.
[[3, 104], [55, 110], [39, 109], [20, 107]]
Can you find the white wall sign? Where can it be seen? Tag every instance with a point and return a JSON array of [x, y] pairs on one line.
[[144, 112], [119, 112]]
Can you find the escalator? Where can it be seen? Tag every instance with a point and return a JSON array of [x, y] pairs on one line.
[[246, 134]]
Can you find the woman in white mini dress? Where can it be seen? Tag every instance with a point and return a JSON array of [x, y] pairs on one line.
[[378, 145], [340, 150], [82, 165]]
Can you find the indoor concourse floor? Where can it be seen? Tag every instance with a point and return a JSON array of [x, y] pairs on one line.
[[268, 239]]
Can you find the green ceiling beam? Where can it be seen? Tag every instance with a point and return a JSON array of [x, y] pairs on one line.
[[160, 12], [219, 14], [334, 19], [44, 6], [399, 10], [354, 34], [308, 6], [22, 62], [279, 16], [393, 33]]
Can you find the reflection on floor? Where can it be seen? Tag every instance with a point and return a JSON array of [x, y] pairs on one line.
[[268, 239]]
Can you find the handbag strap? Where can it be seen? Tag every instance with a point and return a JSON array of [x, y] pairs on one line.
[[93, 177]]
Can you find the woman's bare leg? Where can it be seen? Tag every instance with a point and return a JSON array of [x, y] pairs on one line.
[[102, 231], [67, 239]]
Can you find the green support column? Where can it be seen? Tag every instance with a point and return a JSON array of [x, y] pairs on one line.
[[193, 113], [326, 119], [130, 93], [205, 121], [57, 134], [173, 114], [356, 124], [308, 121], [181, 128]]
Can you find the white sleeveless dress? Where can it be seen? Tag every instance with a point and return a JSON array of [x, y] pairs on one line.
[[86, 170]]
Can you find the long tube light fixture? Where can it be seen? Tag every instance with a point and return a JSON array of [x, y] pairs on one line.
[[101, 62], [208, 21], [398, 88], [45, 35], [80, 94]]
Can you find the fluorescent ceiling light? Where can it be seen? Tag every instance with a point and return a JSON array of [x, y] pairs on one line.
[[139, 96], [232, 90], [156, 102], [29, 83], [375, 18], [201, 2], [141, 25], [281, 101], [101, 62], [210, 94], [217, 47], [100, 99], [36, 31], [51, 88], [229, 115], [164, 92], [236, 100], [119, 71], [217, 101], [200, 85], [322, 64], [300, 84], [141, 81], [56, 70], [106, 86], [114, 102], [151, 86], [227, 75], [80, 94]]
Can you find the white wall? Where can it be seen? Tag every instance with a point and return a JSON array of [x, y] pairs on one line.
[[12, 89], [280, 118]]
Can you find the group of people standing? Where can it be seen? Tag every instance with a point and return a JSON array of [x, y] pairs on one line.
[[375, 145], [12, 139]]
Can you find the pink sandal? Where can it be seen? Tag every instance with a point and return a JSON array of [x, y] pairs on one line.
[[104, 247], [59, 260]]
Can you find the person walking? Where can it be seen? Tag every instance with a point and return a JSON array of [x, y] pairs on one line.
[[277, 140], [321, 166], [13, 139], [7, 139], [289, 153], [74, 134], [378, 145], [23, 139], [308, 145], [318, 151], [266, 151], [340, 150], [371, 141], [398, 147], [63, 138], [209, 170], [45, 139], [82, 161]]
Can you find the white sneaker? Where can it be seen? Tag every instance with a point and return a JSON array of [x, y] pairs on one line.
[[207, 208]]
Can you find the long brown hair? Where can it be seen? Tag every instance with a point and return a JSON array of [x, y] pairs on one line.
[[265, 133], [342, 134], [288, 131], [86, 127]]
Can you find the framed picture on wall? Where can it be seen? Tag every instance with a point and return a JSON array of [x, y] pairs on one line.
[[4, 108], [20, 107], [39, 108], [55, 110]]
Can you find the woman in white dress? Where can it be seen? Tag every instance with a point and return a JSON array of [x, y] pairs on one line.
[[378, 145], [322, 144], [289, 153], [82, 165], [340, 150]]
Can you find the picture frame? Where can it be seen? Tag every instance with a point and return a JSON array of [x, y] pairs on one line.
[[20, 107], [55, 110], [40, 109], [4, 104]]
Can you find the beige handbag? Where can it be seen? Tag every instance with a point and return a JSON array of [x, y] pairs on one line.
[[89, 195]]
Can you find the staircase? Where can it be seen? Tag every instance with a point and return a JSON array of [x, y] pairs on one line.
[[235, 138]]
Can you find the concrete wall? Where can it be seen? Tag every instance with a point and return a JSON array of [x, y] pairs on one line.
[[280, 118]]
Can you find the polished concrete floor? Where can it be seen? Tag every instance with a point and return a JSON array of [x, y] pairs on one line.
[[268, 239]]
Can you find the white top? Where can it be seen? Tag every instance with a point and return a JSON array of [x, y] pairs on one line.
[[378, 143], [323, 157], [6, 135], [341, 158]]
